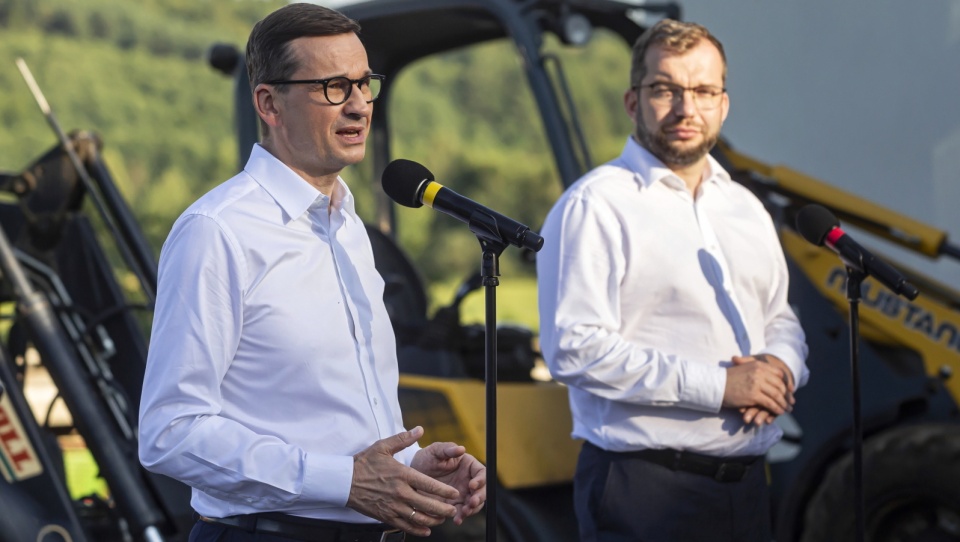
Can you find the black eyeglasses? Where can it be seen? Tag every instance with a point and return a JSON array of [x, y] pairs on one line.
[[337, 89]]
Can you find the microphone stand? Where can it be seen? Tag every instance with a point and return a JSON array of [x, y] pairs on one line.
[[490, 270], [854, 281], [492, 244]]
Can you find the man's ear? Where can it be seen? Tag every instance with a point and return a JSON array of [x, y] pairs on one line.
[[724, 107], [631, 102], [267, 103]]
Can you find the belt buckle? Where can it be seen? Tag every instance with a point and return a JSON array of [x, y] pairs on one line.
[[387, 536]]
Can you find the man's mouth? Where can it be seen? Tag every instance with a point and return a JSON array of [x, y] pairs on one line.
[[682, 132]]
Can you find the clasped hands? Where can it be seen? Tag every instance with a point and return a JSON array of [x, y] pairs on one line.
[[443, 481], [761, 387]]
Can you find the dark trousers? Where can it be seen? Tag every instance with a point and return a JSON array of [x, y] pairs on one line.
[[627, 499], [212, 532]]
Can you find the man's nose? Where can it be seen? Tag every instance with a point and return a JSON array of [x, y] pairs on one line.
[[686, 104], [356, 103]]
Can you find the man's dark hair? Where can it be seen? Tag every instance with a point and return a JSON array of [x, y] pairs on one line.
[[268, 51]]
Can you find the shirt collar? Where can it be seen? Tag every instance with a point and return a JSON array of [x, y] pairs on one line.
[[293, 194], [651, 169]]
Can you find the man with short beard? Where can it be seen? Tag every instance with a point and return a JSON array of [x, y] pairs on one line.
[[663, 308]]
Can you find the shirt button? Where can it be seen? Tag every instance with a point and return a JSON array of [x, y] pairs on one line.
[[376, 401]]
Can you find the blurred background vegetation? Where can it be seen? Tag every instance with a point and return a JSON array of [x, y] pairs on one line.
[[133, 72], [136, 74]]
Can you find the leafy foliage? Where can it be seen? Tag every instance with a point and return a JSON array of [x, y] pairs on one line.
[[135, 73]]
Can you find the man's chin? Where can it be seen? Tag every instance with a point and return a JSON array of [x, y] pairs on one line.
[[352, 157], [673, 156], [677, 153]]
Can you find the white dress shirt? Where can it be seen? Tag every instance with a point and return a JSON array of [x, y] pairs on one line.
[[646, 293], [272, 359]]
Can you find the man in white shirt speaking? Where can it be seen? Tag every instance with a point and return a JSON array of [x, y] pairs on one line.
[[271, 380], [663, 307]]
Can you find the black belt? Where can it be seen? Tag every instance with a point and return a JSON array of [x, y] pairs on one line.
[[310, 530], [721, 469]]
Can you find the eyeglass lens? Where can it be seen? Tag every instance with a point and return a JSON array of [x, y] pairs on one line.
[[704, 97], [338, 89]]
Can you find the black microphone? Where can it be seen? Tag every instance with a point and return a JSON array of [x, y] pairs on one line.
[[819, 226], [411, 185]]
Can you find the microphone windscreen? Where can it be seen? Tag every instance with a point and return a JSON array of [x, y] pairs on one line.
[[814, 222], [401, 181]]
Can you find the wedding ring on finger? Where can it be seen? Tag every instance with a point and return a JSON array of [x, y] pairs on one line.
[[410, 518]]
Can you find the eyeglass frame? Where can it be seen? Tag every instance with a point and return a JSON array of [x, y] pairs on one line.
[[325, 82], [684, 90]]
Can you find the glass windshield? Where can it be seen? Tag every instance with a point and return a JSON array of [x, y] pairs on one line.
[[469, 116]]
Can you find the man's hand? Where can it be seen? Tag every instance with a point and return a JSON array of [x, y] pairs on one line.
[[450, 464], [758, 415], [755, 382], [389, 491]]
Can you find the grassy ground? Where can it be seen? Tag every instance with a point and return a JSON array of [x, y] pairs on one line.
[[83, 476]]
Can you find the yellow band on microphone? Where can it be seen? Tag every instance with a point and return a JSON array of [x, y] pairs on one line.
[[430, 192]]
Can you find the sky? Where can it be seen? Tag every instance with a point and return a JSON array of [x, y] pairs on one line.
[[862, 94]]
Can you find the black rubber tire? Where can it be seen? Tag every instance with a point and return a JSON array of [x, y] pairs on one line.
[[911, 489]]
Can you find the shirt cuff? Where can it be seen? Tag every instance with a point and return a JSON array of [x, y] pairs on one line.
[[702, 386], [788, 356], [327, 479]]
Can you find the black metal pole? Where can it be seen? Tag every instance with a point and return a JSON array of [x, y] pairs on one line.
[[854, 281], [490, 270]]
